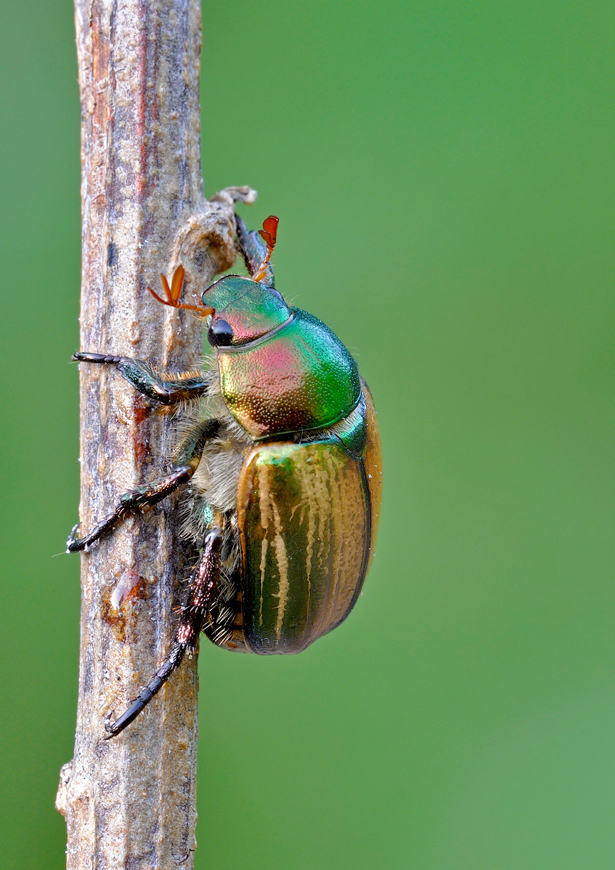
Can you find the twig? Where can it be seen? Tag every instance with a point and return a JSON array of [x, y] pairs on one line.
[[130, 802]]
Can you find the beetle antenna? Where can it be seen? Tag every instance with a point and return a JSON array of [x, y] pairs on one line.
[[173, 293], [268, 234]]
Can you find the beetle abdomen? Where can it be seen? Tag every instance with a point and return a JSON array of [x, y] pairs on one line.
[[304, 520]]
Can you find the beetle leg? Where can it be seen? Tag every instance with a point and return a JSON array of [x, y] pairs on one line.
[[253, 250], [187, 462], [145, 379], [193, 615]]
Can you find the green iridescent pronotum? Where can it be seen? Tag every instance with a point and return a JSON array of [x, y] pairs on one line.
[[281, 464]]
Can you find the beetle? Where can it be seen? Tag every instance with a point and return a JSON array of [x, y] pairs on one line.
[[280, 464]]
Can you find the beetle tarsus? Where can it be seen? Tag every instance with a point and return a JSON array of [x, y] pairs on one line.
[[77, 545], [105, 359], [72, 538], [172, 662], [193, 615]]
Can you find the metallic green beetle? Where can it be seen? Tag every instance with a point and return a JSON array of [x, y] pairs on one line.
[[282, 466]]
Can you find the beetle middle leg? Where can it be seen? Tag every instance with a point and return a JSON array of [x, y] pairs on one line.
[[188, 460], [193, 615], [145, 379]]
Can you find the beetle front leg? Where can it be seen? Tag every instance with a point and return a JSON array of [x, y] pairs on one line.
[[145, 379], [193, 615], [187, 462], [253, 251]]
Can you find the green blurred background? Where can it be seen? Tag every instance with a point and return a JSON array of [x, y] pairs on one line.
[[445, 178]]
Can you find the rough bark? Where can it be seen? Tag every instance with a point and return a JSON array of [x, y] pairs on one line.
[[130, 802]]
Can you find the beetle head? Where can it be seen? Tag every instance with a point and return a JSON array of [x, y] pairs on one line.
[[241, 309], [244, 310]]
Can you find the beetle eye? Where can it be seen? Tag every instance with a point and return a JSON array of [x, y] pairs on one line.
[[220, 333]]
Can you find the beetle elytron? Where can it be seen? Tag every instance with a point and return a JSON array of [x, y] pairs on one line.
[[282, 467]]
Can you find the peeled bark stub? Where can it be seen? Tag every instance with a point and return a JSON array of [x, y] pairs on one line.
[[130, 802]]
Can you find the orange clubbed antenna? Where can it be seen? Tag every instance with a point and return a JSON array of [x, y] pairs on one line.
[[173, 293], [268, 234]]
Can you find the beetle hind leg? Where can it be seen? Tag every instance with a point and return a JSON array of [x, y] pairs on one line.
[[220, 626], [193, 615]]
